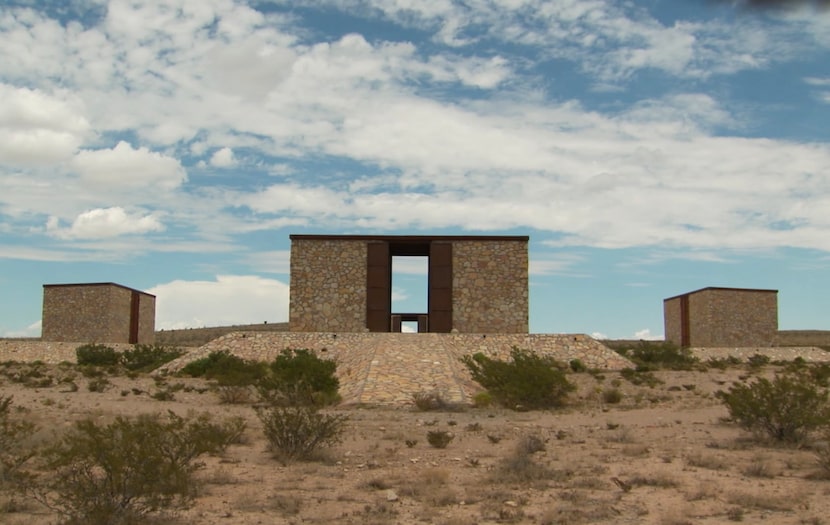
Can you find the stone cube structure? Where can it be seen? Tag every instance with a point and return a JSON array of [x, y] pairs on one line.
[[722, 317], [97, 313], [343, 283]]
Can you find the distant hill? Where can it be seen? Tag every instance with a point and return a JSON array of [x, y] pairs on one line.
[[200, 336]]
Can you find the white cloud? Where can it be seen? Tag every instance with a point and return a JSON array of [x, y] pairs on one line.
[[33, 330], [223, 158], [125, 167], [599, 335], [104, 223], [646, 335], [38, 128], [228, 300]]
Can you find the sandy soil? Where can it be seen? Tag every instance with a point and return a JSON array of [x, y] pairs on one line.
[[669, 446]]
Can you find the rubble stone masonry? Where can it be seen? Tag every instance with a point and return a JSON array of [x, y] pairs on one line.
[[328, 286], [723, 317], [97, 312], [490, 287]]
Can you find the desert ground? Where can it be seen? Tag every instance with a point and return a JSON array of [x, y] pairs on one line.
[[664, 454]]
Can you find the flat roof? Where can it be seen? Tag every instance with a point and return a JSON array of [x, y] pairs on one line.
[[67, 285], [722, 288], [409, 238]]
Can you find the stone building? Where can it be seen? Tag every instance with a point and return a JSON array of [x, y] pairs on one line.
[[343, 283], [722, 317], [97, 313]]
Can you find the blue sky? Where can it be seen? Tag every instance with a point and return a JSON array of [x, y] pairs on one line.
[[648, 148]]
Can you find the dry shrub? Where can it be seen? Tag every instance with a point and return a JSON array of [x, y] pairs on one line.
[[122, 472], [439, 438], [707, 461], [299, 432], [761, 467], [761, 500]]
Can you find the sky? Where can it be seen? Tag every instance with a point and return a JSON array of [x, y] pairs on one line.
[[648, 148]]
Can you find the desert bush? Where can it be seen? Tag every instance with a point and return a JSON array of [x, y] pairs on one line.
[[98, 384], [612, 396], [145, 358], [640, 377], [226, 369], [656, 355], [439, 438], [527, 381], [233, 394], [97, 355], [722, 363], [577, 366], [299, 432], [15, 448], [427, 401], [299, 376], [119, 472], [757, 360], [482, 400], [785, 408]]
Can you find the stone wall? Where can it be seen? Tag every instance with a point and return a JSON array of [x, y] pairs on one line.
[[99, 312], [328, 286], [725, 317], [490, 286]]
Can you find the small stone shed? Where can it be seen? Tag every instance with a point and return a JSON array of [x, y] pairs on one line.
[[343, 283], [97, 313], [722, 317]]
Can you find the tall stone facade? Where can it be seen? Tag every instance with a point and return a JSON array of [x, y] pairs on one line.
[[328, 285], [342, 283], [97, 313], [490, 287], [722, 317]]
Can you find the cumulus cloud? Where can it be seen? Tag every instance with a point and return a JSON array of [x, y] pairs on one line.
[[104, 223], [123, 166], [646, 335], [227, 300], [38, 128], [222, 158]]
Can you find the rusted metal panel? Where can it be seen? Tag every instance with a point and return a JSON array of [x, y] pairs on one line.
[[378, 287], [135, 309], [440, 287]]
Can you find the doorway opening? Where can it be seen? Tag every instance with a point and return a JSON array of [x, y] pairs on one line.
[[410, 283]]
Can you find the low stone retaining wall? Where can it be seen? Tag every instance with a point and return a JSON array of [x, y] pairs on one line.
[[810, 354], [47, 352]]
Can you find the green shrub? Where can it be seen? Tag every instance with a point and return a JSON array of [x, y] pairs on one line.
[[612, 396], [577, 366], [299, 432], [527, 381], [226, 369], [656, 355], [300, 377], [97, 355], [757, 360], [145, 358], [117, 473], [439, 438], [482, 400], [785, 408], [640, 377], [98, 384]]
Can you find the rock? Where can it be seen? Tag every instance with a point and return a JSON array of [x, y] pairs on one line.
[[391, 495]]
